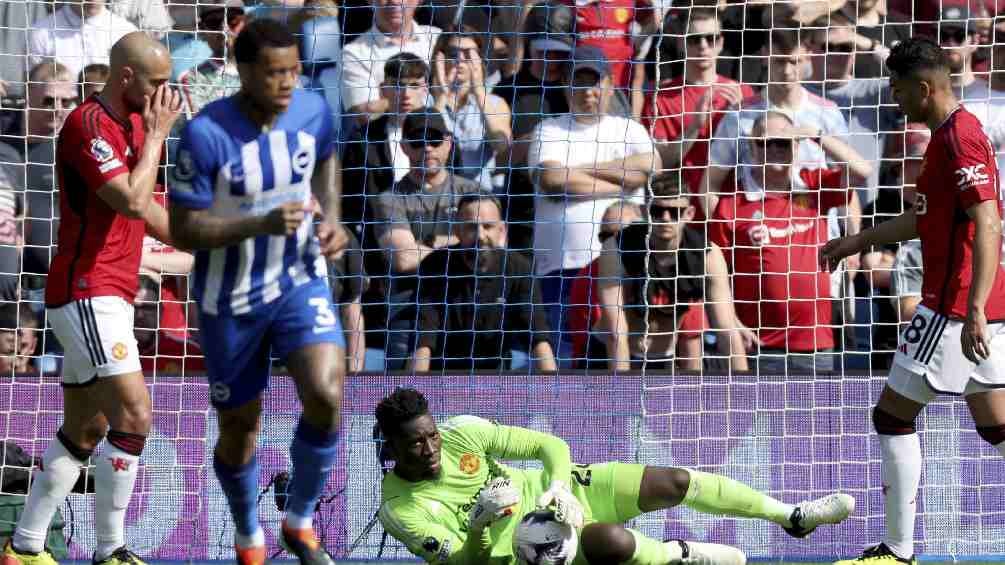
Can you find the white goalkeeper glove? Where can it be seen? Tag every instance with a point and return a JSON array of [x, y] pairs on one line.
[[567, 508], [497, 500]]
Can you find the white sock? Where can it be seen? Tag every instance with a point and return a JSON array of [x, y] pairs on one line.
[[114, 478], [901, 476], [1001, 448], [295, 522], [256, 539], [53, 481]]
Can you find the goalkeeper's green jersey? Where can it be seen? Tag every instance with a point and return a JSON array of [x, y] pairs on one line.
[[431, 517]]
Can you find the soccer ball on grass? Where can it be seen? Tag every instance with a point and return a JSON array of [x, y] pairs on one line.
[[540, 539]]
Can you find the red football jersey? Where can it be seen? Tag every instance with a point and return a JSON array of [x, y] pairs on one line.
[[607, 24], [676, 104], [958, 171], [771, 247], [99, 249]]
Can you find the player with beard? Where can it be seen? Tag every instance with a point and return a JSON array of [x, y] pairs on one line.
[[107, 158], [475, 299]]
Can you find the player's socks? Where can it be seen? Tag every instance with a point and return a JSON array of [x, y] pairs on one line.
[[240, 486], [652, 552], [254, 539], [901, 472], [114, 478], [313, 454], [716, 494], [54, 480]]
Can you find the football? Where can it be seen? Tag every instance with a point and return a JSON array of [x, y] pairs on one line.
[[540, 539]]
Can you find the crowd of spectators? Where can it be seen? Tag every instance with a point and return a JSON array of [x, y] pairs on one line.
[[608, 184]]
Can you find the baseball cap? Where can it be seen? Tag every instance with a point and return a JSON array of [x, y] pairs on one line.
[[418, 124], [591, 58], [547, 44]]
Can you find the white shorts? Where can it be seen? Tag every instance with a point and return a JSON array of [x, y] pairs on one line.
[[97, 339], [930, 360]]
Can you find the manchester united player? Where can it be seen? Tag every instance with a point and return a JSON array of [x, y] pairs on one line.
[[107, 158], [955, 344]]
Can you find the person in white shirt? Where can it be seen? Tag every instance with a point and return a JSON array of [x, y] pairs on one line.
[[582, 162], [816, 117], [77, 35], [151, 16], [394, 31]]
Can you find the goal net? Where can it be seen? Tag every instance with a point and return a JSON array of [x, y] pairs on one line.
[[629, 193]]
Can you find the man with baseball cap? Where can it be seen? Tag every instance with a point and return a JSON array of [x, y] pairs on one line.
[[219, 23], [412, 219], [582, 162]]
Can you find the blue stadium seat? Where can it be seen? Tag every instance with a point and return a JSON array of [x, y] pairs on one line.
[[321, 52]]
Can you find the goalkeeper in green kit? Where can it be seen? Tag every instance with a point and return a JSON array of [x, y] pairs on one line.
[[450, 500]]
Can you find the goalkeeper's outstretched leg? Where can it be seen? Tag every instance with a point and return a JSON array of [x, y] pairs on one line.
[[661, 488]]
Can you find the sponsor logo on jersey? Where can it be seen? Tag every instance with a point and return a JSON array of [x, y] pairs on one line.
[[110, 165], [101, 150], [470, 463], [119, 351], [970, 177]]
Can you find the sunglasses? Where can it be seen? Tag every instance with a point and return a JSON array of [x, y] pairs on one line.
[[422, 143], [839, 47], [657, 212], [954, 33], [777, 144], [697, 38], [214, 20]]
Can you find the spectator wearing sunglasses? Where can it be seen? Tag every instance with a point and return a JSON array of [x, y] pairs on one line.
[[689, 107], [583, 162], [219, 23], [480, 120], [412, 219], [865, 103], [649, 278], [957, 33], [770, 237], [785, 92]]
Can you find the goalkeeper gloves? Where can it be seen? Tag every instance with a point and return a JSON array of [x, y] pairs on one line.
[[568, 510], [497, 500]]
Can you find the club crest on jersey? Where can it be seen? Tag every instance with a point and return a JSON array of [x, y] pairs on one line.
[[303, 159], [101, 150], [119, 351], [969, 177], [469, 463]]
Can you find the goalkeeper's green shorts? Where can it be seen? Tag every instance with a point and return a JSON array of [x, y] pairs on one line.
[[609, 492]]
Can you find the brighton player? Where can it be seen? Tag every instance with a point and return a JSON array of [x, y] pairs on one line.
[[955, 344], [450, 501], [241, 197], [107, 158]]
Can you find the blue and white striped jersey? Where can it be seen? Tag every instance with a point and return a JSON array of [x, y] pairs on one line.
[[226, 164]]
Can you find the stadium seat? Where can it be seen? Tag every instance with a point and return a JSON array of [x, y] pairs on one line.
[[321, 54]]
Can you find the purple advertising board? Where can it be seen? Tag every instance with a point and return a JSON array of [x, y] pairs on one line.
[[795, 437]]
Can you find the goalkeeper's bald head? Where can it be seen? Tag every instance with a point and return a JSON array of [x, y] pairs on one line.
[[398, 408]]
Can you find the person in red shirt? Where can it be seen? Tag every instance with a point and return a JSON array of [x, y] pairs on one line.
[[955, 344], [770, 238], [161, 349], [107, 158], [607, 25], [688, 108]]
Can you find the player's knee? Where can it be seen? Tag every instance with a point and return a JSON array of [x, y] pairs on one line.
[[994, 435], [606, 543], [325, 399], [678, 481], [889, 425], [93, 432]]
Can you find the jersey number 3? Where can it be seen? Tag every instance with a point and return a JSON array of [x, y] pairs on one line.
[[324, 316]]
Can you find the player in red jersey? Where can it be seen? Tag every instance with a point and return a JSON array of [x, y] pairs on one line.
[[955, 344], [107, 160]]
